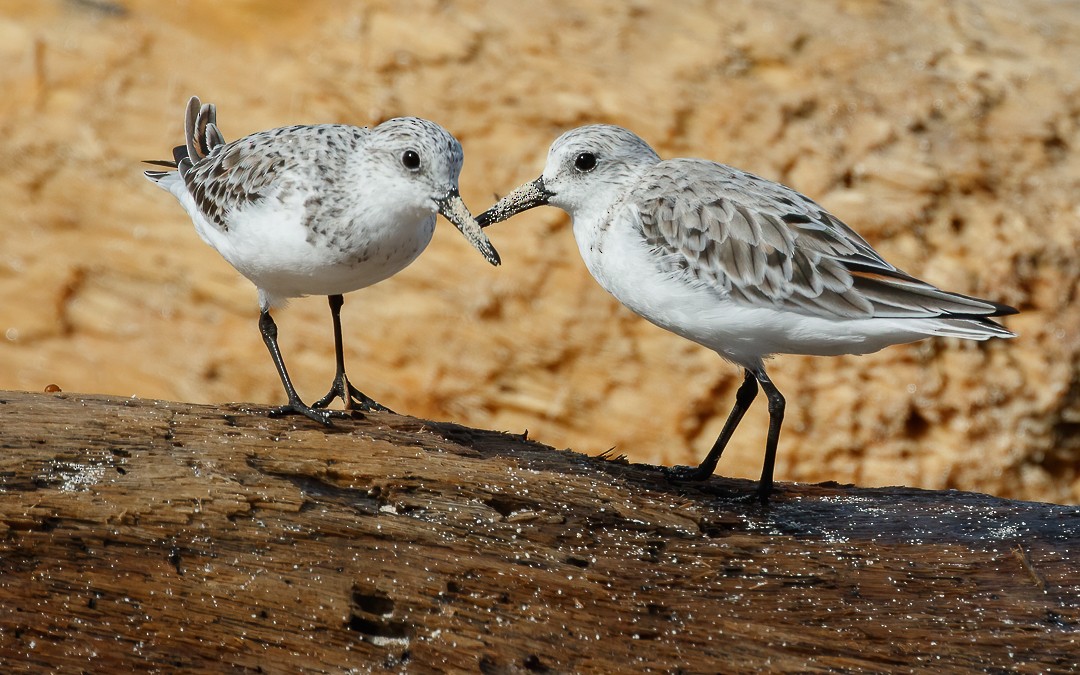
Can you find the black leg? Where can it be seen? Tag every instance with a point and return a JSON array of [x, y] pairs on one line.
[[776, 418], [743, 398], [269, 334], [342, 388]]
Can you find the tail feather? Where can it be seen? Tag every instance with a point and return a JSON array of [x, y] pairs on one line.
[[213, 136], [205, 126], [969, 329], [926, 308], [896, 294], [191, 118], [201, 137]]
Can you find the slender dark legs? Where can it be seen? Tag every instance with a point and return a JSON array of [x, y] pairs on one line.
[[269, 334], [353, 398], [776, 418], [743, 398]]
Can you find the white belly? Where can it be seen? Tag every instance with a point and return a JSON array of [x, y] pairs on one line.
[[271, 245]]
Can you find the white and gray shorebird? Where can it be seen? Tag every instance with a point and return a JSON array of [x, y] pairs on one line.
[[744, 266], [318, 210]]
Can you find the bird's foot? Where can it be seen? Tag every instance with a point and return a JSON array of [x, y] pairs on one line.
[[762, 494], [695, 473], [755, 498], [353, 398], [699, 473], [323, 417]]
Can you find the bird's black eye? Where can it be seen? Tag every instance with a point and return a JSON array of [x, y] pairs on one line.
[[410, 159], [585, 162]]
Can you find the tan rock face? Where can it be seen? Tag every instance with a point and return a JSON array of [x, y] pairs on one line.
[[945, 134]]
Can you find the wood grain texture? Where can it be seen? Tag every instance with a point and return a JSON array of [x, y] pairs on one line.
[[945, 133], [155, 535]]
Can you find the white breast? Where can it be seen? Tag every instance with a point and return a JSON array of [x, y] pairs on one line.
[[270, 244], [621, 261]]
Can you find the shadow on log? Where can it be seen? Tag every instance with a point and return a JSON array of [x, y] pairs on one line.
[[152, 535]]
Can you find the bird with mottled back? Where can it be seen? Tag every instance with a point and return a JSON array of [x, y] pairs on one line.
[[744, 266], [318, 210]]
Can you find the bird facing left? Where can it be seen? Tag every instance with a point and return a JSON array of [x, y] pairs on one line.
[[318, 210]]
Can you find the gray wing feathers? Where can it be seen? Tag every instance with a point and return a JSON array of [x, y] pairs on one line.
[[762, 243]]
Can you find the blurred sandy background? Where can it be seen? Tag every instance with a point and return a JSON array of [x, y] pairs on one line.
[[946, 133]]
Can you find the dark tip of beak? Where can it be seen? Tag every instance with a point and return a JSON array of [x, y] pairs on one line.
[[527, 196], [453, 209]]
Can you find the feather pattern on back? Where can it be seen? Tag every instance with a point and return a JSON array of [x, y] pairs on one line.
[[763, 244], [224, 176]]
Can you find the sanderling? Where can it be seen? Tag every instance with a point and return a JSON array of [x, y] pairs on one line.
[[318, 210], [744, 266]]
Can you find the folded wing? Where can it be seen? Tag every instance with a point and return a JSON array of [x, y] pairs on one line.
[[761, 243]]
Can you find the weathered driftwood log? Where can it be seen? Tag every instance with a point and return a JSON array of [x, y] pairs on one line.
[[145, 534]]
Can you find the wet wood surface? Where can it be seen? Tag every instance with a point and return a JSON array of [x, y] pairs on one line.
[[150, 535]]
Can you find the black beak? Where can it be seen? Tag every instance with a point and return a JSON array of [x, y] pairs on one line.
[[454, 209], [521, 199]]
